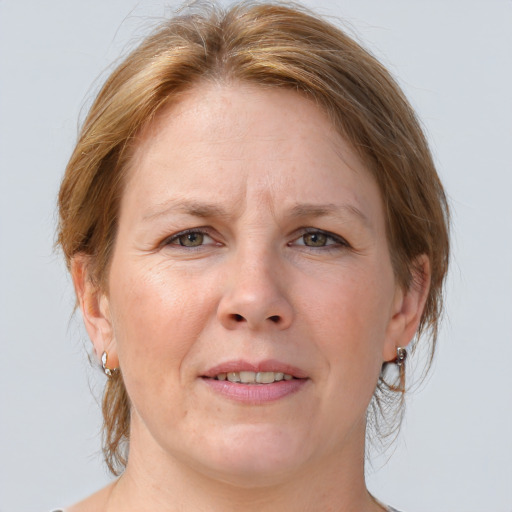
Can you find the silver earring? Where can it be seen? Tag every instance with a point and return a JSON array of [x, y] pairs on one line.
[[109, 372], [401, 356]]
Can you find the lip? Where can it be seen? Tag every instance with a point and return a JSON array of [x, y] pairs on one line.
[[269, 365], [255, 394]]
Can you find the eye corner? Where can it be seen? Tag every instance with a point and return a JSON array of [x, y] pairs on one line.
[[190, 239], [320, 238]]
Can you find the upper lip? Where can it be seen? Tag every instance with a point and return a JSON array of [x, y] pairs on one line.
[[269, 365]]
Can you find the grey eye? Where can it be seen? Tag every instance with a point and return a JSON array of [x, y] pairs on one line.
[[191, 239], [315, 239]]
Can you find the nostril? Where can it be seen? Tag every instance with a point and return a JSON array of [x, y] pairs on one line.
[[237, 317], [274, 318]]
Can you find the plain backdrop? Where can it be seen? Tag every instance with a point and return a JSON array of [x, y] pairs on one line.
[[454, 61]]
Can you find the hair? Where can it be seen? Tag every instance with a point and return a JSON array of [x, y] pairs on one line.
[[277, 46]]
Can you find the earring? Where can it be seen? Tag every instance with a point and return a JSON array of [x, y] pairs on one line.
[[401, 356], [109, 372]]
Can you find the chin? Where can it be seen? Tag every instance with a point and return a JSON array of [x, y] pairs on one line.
[[253, 457]]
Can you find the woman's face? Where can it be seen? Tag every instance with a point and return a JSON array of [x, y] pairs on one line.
[[251, 246]]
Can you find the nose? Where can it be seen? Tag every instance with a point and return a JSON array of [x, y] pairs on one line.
[[254, 296]]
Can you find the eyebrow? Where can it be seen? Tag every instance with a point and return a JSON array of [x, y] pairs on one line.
[[331, 210], [208, 210], [189, 207]]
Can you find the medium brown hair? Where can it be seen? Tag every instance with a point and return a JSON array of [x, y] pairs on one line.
[[270, 45]]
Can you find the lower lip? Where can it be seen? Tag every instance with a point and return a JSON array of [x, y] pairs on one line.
[[255, 393]]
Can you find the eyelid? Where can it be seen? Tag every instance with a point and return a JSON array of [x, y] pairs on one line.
[[339, 240], [204, 230]]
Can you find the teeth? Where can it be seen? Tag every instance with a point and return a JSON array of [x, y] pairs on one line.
[[247, 377], [264, 377]]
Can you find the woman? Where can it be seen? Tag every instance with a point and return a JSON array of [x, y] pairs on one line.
[[255, 231]]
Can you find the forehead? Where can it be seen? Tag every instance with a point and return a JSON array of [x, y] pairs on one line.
[[234, 112], [238, 140]]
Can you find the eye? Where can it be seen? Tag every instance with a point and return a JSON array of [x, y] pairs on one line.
[[316, 238], [190, 238]]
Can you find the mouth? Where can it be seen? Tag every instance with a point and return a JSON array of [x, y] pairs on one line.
[[263, 372], [258, 383], [249, 377]]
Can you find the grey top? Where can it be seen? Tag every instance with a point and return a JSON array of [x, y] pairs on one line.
[[390, 509]]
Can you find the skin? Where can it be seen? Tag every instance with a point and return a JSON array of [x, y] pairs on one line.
[[291, 264]]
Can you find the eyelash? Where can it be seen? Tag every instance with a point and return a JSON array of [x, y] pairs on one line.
[[193, 231], [338, 241]]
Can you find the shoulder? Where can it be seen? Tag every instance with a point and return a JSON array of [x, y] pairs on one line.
[[97, 502]]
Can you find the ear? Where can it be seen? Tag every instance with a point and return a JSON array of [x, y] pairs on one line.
[[408, 306], [94, 305]]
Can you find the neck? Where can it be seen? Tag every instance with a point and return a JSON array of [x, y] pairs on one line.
[[155, 481]]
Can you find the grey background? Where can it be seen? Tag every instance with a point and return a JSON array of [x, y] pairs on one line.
[[454, 60]]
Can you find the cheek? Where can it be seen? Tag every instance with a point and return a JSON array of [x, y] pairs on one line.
[[350, 316], [157, 318]]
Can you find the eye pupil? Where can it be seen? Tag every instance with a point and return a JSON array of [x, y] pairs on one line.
[[191, 239], [315, 239]]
